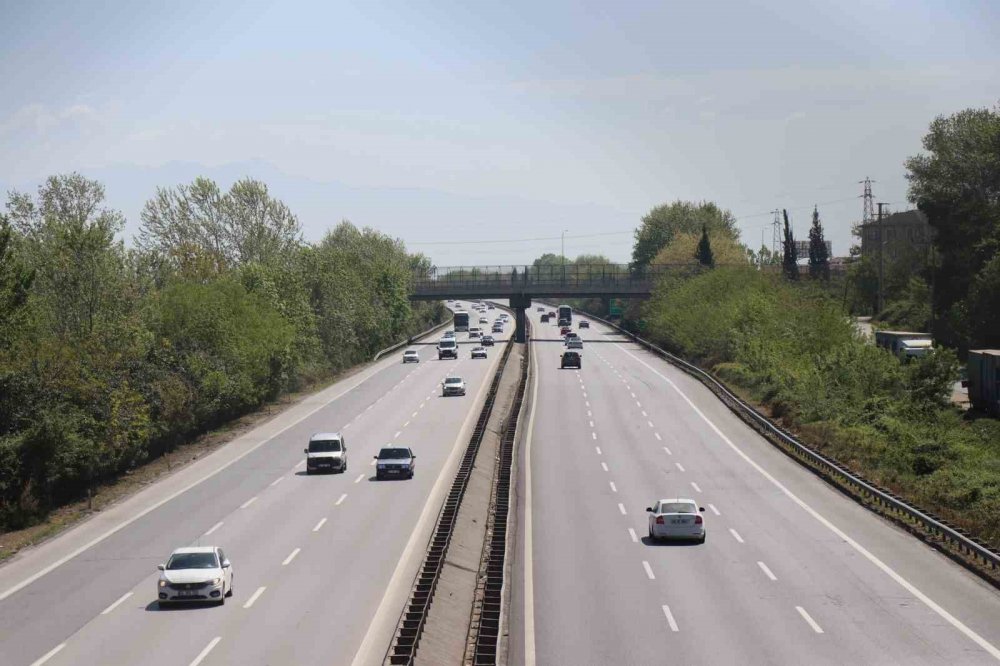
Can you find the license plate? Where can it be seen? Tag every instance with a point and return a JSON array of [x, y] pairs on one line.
[[678, 521], [187, 593]]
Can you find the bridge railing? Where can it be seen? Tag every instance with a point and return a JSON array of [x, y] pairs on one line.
[[528, 278]]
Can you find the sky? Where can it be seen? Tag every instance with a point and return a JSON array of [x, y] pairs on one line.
[[453, 125]]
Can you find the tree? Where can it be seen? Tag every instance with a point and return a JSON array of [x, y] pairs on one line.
[[663, 223], [704, 252], [819, 258], [790, 258], [683, 251], [15, 279], [957, 186]]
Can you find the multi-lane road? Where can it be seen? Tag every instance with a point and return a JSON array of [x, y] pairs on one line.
[[792, 572], [322, 563]]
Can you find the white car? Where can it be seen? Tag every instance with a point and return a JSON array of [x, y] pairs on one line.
[[448, 334], [411, 356], [479, 352], [327, 451], [453, 386], [195, 574], [678, 518], [484, 320]]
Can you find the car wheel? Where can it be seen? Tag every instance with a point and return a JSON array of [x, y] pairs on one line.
[[222, 597], [229, 592], [703, 537], [650, 530], [308, 471], [411, 474]]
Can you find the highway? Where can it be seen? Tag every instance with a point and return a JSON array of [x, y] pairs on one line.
[[792, 572], [322, 563]]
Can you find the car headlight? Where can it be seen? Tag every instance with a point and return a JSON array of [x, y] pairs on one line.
[[216, 581], [163, 583]]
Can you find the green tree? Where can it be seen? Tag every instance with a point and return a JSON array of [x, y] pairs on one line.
[[790, 258], [957, 185], [704, 253], [663, 223], [819, 258]]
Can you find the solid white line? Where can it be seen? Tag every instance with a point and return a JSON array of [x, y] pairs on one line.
[[670, 618], [614, 488], [319, 525], [342, 498], [529, 567], [767, 572], [649, 571], [248, 502], [208, 648], [254, 597], [291, 557], [621, 507], [669, 452], [277, 481], [48, 655], [116, 604], [604, 466], [358, 480], [736, 535], [812, 623], [635, 537], [714, 510], [695, 486], [213, 528], [885, 568], [680, 466]]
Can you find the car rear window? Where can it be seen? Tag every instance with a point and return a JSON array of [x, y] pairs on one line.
[[678, 507], [453, 380]]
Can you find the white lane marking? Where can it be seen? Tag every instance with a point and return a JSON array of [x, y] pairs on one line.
[[714, 510], [670, 618], [614, 488], [116, 604], [695, 486], [680, 466], [348, 425], [885, 568], [204, 653], [669, 452], [633, 396], [589, 414], [248, 502], [48, 655], [650, 424], [767, 572], [413, 415], [604, 466], [422, 404], [633, 535], [621, 507], [369, 407], [584, 394], [342, 498], [594, 435], [358, 480], [736, 535], [298, 464], [591, 424], [638, 404], [277, 481], [213, 528], [644, 414], [658, 438], [649, 571], [291, 557], [254, 597], [398, 433], [812, 623], [406, 424], [319, 525]]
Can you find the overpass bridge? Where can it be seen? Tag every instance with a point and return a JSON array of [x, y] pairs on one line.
[[521, 284]]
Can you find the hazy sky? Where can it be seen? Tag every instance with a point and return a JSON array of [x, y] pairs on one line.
[[466, 121]]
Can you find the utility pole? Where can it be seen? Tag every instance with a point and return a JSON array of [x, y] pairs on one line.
[[881, 253], [776, 233], [562, 253]]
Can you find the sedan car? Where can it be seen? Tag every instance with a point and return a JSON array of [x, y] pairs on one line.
[[484, 320], [545, 319], [677, 518], [199, 573], [564, 330], [411, 356], [540, 309], [584, 323], [574, 343], [487, 340], [453, 386], [478, 352], [571, 359], [394, 461]]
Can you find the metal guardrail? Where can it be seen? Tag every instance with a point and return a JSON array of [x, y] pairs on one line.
[[403, 649], [410, 340], [893, 505]]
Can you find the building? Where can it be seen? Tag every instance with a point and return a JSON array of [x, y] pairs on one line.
[[802, 249], [906, 234]]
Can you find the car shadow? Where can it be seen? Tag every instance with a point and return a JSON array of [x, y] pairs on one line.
[[155, 607], [305, 473], [647, 541]]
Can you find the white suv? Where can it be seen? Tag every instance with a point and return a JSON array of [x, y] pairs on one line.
[[327, 451]]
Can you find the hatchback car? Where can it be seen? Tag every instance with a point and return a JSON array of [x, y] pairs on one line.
[[487, 340], [545, 319], [453, 386], [584, 323], [678, 518], [574, 343], [478, 352], [411, 356], [448, 334], [199, 573], [327, 452], [394, 461], [571, 359]]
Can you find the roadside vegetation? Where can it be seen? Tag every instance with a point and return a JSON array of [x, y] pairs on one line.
[[111, 356]]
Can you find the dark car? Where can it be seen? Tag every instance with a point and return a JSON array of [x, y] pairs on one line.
[[487, 341], [394, 461], [570, 359], [545, 319], [564, 330], [584, 323]]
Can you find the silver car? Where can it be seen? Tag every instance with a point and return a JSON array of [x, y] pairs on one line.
[[678, 518], [453, 386], [479, 352]]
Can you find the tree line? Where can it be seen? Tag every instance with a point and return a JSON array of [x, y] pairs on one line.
[[113, 355]]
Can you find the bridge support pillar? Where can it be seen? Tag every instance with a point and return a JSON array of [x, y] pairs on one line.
[[520, 303]]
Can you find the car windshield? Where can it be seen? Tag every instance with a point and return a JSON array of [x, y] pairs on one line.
[[678, 507], [193, 561], [453, 380], [393, 454], [324, 446], [447, 343]]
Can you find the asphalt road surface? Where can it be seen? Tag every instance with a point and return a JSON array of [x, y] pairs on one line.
[[322, 563], [792, 571]]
